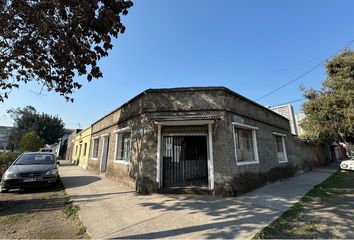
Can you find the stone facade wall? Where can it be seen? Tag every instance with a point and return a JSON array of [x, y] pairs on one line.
[[125, 173]]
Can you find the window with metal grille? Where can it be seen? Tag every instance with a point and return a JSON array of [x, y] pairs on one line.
[[280, 147], [123, 146], [245, 140]]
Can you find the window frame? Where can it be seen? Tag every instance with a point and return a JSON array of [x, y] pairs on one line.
[[276, 134], [117, 132], [93, 148], [254, 142]]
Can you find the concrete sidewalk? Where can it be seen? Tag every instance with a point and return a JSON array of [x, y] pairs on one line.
[[109, 210]]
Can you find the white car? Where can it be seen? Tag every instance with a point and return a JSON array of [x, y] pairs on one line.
[[48, 150], [347, 165]]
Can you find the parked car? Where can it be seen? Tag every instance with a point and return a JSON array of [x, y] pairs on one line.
[[29, 170], [347, 164]]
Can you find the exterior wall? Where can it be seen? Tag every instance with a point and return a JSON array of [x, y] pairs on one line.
[[78, 152], [70, 146], [126, 173]]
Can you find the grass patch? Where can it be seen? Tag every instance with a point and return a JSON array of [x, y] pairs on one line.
[[12, 218], [81, 231], [286, 226], [70, 209]]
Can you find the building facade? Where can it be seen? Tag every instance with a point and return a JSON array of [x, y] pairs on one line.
[[4, 138], [287, 111], [81, 143], [192, 137]]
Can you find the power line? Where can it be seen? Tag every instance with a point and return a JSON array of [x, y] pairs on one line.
[[305, 73], [297, 100]]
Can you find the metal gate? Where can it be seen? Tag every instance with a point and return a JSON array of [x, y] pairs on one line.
[[184, 161]]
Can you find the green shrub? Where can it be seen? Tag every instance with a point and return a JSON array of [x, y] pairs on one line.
[[249, 181], [6, 159], [30, 141]]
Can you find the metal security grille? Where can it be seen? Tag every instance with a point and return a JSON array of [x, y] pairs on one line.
[[185, 161]]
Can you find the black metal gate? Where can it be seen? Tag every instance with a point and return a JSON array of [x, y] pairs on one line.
[[184, 161]]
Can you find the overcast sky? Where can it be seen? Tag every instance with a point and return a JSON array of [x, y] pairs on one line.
[[251, 47]]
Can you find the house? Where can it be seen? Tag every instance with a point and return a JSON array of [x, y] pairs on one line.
[[200, 137], [80, 147], [70, 144]]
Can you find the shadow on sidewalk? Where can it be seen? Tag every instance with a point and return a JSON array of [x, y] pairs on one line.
[[78, 181]]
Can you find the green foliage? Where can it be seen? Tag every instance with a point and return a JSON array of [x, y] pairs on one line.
[[31, 142], [6, 159], [51, 41], [49, 128], [330, 111]]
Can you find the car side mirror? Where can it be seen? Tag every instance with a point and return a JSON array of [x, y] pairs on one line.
[[58, 162]]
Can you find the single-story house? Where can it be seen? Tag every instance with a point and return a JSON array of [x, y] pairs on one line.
[[81, 145], [200, 137]]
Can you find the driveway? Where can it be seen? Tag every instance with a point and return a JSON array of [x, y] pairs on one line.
[[109, 210]]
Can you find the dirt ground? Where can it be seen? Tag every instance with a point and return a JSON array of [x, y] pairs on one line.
[[38, 213]]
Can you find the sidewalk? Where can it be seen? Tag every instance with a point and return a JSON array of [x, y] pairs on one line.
[[109, 210]]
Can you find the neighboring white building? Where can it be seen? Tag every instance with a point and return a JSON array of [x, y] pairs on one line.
[[287, 111], [299, 120], [4, 135]]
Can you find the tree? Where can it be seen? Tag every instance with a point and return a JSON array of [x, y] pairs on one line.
[[31, 142], [49, 41], [330, 111], [49, 128]]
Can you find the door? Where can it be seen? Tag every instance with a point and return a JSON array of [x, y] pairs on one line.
[[79, 156], [103, 165], [184, 161]]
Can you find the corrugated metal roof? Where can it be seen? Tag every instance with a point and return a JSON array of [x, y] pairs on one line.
[[185, 117]]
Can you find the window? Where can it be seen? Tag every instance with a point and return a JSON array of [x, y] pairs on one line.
[[245, 144], [280, 147], [76, 150], [123, 146], [95, 148], [85, 148]]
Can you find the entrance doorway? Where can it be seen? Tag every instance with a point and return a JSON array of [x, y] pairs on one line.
[[184, 161]]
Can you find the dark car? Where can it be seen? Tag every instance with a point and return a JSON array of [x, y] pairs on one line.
[[30, 170]]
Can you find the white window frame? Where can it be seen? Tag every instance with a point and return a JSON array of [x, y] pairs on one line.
[[117, 132], [254, 141], [93, 148], [284, 148]]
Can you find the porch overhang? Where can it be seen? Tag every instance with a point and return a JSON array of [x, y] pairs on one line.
[[185, 119]]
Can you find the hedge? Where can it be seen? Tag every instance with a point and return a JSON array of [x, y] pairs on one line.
[[6, 159]]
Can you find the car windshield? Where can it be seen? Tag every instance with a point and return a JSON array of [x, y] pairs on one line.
[[35, 158]]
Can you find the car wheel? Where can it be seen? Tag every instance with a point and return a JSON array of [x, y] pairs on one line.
[[3, 190]]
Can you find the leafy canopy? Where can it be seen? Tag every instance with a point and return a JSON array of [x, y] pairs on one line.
[[330, 111], [49, 128], [31, 142], [48, 41]]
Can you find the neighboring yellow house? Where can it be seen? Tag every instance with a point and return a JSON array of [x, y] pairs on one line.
[[81, 147]]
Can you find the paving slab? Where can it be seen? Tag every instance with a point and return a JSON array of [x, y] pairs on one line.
[[110, 210]]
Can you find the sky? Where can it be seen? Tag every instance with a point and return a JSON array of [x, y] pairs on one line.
[[249, 46]]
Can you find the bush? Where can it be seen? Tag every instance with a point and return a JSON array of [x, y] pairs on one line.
[[249, 181], [6, 159], [30, 141]]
